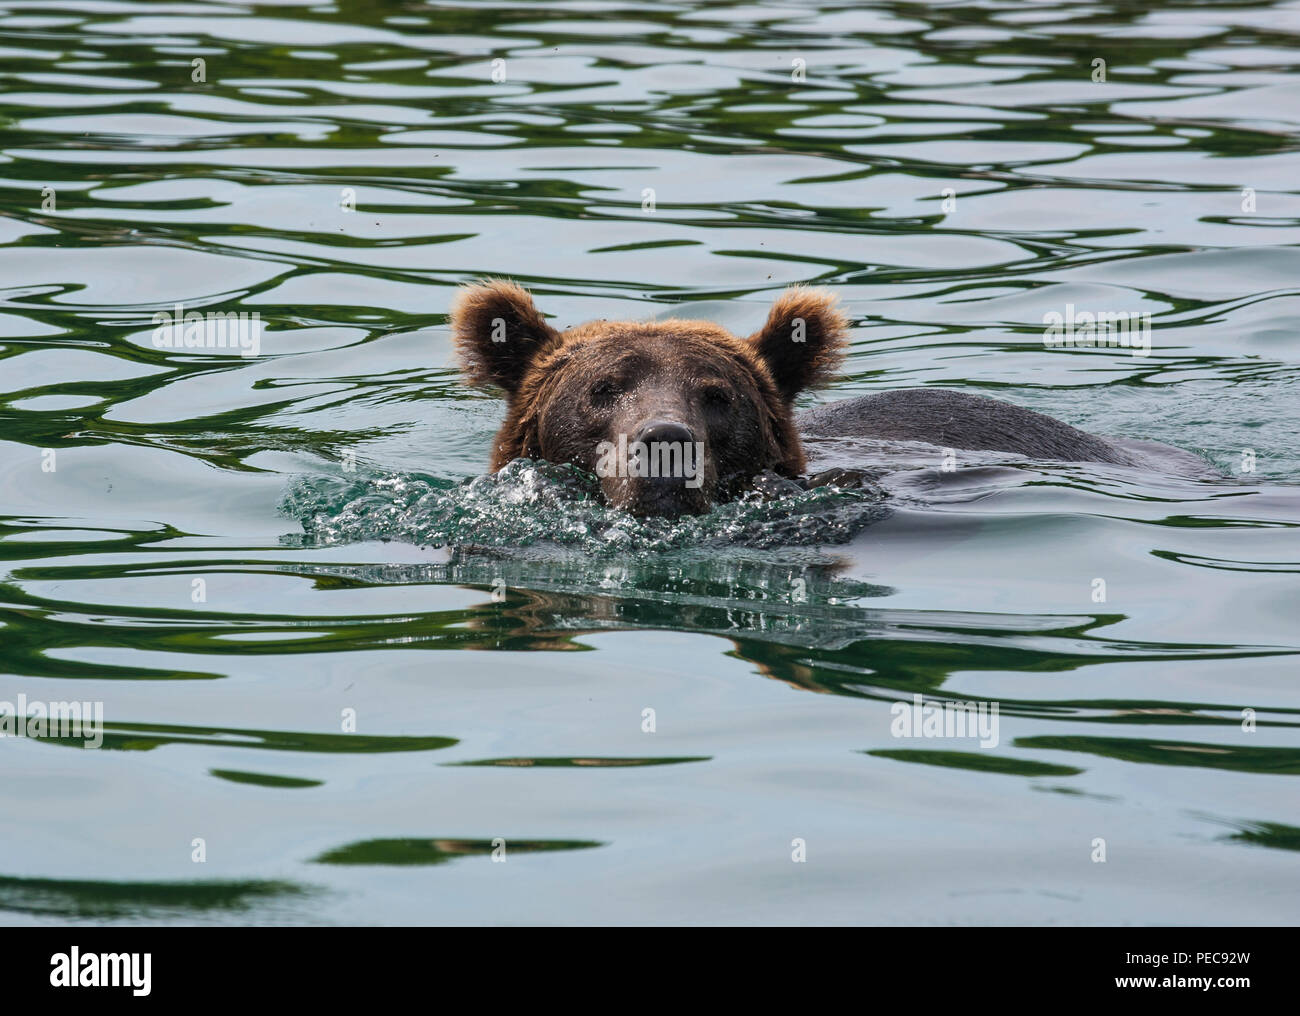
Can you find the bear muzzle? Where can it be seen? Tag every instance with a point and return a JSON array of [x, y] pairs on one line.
[[662, 470]]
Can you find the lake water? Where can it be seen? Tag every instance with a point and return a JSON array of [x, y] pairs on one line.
[[341, 684]]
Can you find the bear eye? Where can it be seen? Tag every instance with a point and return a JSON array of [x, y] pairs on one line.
[[603, 392], [716, 396]]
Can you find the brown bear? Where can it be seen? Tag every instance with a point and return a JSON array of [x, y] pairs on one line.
[[675, 416], [713, 408]]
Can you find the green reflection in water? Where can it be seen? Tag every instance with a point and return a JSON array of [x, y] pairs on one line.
[[439, 851], [56, 897], [975, 762], [147, 736], [1269, 834], [264, 779], [1275, 761]]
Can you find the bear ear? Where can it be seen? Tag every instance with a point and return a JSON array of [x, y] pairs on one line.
[[802, 342], [498, 332]]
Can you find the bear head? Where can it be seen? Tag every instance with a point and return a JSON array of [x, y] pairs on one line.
[[673, 416]]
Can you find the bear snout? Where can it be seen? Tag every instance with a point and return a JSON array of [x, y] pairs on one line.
[[661, 470], [665, 432]]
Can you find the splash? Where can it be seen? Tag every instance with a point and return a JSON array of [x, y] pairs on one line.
[[537, 504]]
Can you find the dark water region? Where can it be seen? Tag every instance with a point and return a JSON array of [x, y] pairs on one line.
[[344, 675]]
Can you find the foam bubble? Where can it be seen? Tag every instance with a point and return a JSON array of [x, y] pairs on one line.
[[530, 504]]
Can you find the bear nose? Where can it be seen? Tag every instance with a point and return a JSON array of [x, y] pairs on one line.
[[665, 432]]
